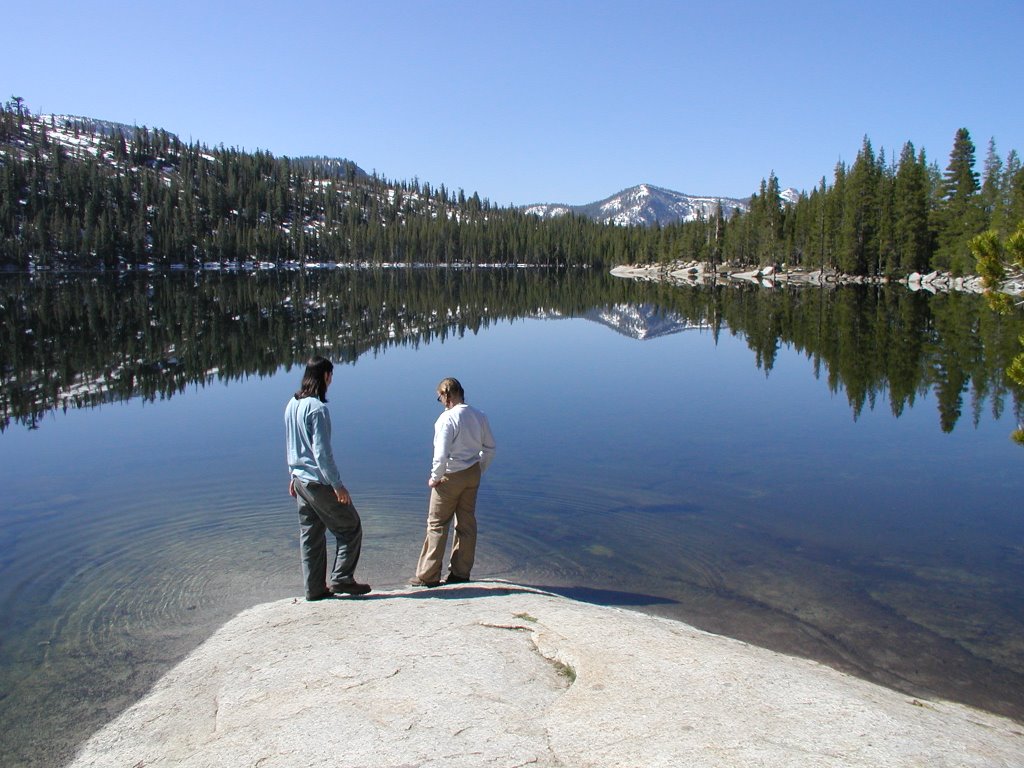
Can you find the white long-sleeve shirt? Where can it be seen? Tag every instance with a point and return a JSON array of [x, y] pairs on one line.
[[462, 438]]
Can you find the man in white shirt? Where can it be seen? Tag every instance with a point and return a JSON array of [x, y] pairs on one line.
[[463, 449]]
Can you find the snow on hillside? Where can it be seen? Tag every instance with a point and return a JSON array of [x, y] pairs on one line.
[[641, 321], [646, 204], [642, 205]]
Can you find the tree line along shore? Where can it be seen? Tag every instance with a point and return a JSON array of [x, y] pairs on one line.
[[79, 194]]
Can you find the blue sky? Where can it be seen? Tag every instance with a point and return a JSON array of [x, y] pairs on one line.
[[537, 101]]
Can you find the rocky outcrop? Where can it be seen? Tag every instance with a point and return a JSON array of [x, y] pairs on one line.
[[494, 674], [700, 273]]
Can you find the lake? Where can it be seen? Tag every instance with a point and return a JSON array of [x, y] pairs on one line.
[[826, 472]]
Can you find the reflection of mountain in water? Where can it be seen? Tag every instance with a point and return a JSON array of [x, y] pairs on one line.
[[642, 321], [74, 342]]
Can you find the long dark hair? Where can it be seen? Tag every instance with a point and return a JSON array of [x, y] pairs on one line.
[[314, 380]]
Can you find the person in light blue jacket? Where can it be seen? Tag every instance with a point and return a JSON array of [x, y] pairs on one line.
[[323, 501]]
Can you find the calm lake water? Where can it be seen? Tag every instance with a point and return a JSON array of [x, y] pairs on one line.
[[824, 472]]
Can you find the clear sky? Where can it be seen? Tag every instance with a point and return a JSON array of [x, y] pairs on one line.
[[530, 101]]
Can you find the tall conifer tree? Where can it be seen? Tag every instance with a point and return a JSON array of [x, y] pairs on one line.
[[962, 216], [859, 250], [910, 212]]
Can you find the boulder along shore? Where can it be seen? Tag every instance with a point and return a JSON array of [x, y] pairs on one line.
[[496, 674], [702, 273]]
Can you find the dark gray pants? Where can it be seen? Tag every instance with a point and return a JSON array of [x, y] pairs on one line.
[[319, 512]]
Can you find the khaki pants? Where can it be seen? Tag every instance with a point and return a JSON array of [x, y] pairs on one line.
[[456, 497]]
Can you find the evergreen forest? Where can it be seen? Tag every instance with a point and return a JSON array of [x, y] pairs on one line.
[[78, 194]]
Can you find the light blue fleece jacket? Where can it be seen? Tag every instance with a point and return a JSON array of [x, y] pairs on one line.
[[307, 425]]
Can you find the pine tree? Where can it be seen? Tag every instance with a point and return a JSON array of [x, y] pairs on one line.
[[910, 211], [887, 259], [771, 236], [1013, 193], [961, 215], [991, 186], [859, 248]]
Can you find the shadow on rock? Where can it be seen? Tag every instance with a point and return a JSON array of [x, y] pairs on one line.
[[455, 592], [605, 596]]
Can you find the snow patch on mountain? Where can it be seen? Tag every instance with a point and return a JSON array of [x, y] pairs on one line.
[[647, 205], [789, 195], [641, 321]]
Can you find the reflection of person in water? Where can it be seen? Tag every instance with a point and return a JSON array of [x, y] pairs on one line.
[[323, 501], [463, 449]]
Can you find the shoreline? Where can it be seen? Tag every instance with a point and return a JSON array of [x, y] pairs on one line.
[[760, 632], [492, 672], [696, 273], [928, 664]]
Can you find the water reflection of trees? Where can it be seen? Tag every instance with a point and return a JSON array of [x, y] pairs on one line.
[[77, 341], [875, 341]]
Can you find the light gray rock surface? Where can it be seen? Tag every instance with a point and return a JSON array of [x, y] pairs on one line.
[[695, 273], [493, 674]]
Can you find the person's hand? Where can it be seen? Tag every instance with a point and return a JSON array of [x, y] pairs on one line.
[[434, 483], [342, 495], [291, 487]]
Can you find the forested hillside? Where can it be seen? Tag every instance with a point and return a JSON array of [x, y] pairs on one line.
[[77, 194], [877, 217], [73, 196]]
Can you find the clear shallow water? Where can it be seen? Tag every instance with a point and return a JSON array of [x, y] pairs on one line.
[[672, 475]]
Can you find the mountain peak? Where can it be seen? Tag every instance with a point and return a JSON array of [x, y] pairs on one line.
[[648, 204]]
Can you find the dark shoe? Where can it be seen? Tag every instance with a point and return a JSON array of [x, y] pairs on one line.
[[453, 579], [428, 584], [350, 588], [321, 596]]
